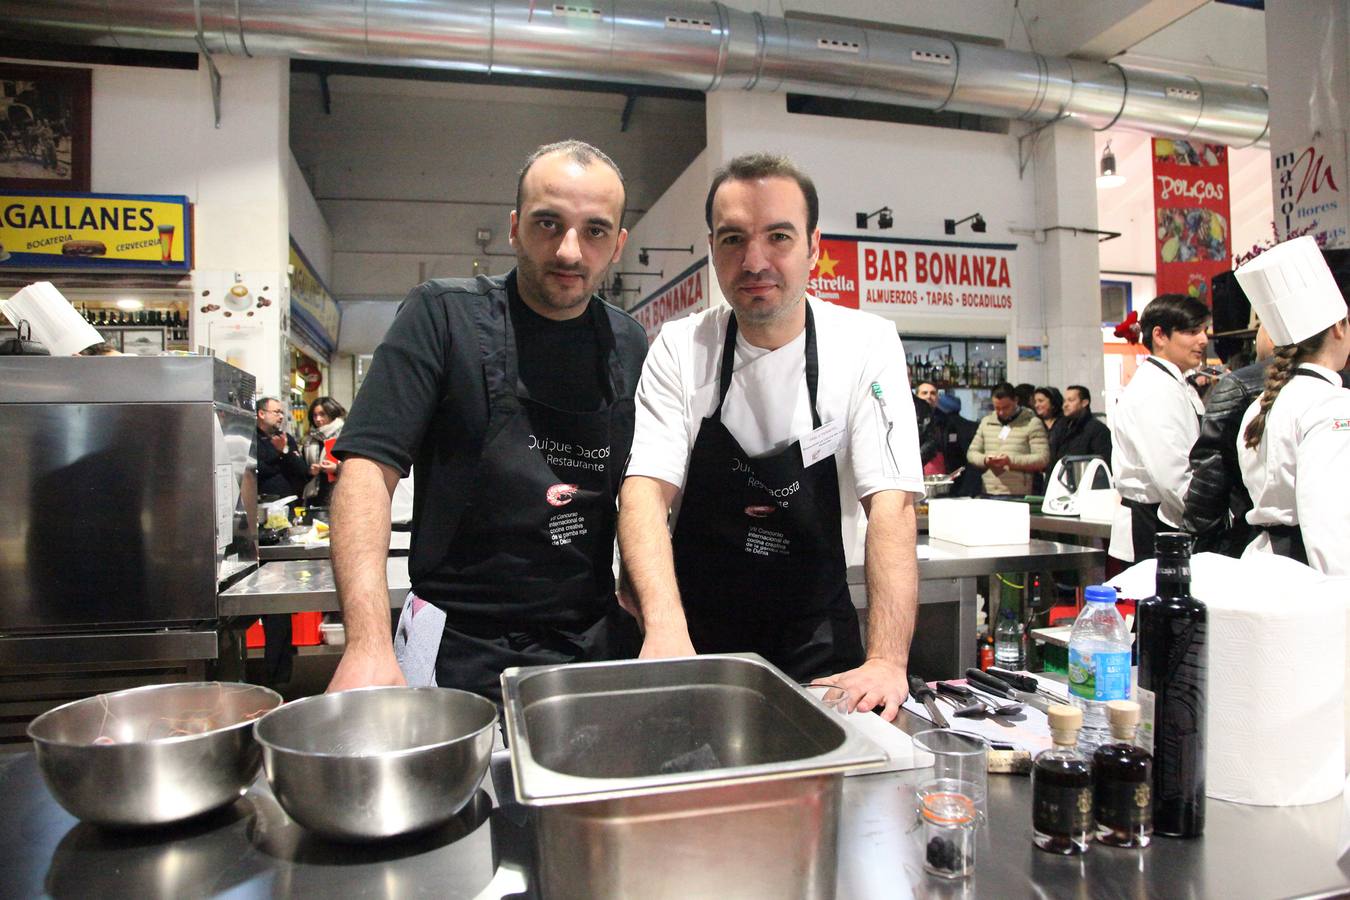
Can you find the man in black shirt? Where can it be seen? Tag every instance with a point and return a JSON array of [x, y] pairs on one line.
[[1082, 434], [281, 466], [513, 396]]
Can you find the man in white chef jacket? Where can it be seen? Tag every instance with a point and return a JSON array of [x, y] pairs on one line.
[[1154, 425], [769, 427]]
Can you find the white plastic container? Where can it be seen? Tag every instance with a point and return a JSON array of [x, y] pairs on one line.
[[333, 633], [978, 523]]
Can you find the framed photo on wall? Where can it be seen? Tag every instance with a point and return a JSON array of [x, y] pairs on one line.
[[44, 128]]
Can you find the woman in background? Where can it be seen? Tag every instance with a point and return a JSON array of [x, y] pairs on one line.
[[1048, 404], [326, 417]]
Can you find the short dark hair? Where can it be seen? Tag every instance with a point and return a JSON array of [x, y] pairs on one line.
[[1005, 391], [1082, 392], [1172, 312], [581, 153], [753, 166], [330, 406], [1024, 392], [261, 403], [1055, 397]]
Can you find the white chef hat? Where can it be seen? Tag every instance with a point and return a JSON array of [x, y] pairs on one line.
[[1293, 291]]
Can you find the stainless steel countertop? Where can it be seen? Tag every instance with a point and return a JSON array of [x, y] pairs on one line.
[[252, 849], [303, 585], [399, 542], [1040, 522]]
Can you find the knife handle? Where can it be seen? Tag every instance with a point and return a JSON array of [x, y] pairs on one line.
[[953, 689], [994, 685], [1021, 682], [919, 689]]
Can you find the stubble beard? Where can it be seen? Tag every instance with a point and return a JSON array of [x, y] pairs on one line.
[[751, 313], [531, 284]]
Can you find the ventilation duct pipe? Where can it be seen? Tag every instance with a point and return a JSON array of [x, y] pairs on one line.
[[705, 46]]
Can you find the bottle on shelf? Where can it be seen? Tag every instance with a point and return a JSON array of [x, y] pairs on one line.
[[1122, 775], [1173, 663], [1061, 788], [1099, 664], [1009, 638]]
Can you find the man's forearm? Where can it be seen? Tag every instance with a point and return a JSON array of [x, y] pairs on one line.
[[646, 553], [360, 538], [892, 571]]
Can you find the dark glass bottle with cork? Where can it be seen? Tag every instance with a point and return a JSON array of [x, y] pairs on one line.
[[1061, 788], [1122, 775]]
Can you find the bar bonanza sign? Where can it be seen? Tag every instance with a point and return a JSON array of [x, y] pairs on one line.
[[880, 275]]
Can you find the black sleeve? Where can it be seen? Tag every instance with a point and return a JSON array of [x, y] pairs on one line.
[[1099, 441], [1211, 480], [405, 384], [293, 464]]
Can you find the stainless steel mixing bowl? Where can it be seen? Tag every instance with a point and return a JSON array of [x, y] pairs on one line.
[[377, 762], [154, 754]]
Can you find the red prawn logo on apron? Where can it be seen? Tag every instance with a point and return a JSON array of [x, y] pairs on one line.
[[760, 512], [561, 494]]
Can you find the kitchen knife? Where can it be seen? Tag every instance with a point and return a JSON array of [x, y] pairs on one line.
[[920, 690], [1022, 682], [1000, 688]]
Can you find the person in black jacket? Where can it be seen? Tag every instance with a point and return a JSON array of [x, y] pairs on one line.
[[1217, 501], [281, 467], [1078, 432], [957, 433]]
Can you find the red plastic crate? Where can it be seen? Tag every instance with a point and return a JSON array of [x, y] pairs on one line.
[[304, 631]]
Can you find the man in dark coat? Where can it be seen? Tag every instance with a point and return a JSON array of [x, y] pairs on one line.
[[958, 432], [1217, 501], [1082, 433], [281, 466]]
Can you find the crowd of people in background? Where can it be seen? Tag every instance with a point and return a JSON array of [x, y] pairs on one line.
[[1014, 448]]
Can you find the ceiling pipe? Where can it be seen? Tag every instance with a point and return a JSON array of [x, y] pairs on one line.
[[690, 44]]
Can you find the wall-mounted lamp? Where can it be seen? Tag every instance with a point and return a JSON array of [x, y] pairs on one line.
[[644, 259], [976, 221], [1109, 177], [883, 215]]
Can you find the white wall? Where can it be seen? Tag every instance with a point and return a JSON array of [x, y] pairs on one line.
[[308, 228], [924, 174], [675, 220], [153, 132]]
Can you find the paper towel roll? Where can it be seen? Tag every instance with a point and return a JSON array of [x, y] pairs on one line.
[[54, 321], [1278, 676]]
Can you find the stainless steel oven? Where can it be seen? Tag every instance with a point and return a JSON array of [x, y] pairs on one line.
[[127, 501]]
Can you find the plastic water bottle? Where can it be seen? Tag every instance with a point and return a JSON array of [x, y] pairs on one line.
[[1099, 664], [1008, 653]]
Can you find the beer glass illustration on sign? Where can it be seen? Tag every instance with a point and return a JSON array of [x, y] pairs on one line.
[[166, 244]]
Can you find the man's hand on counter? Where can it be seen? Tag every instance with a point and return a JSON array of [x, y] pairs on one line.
[[359, 669], [877, 682]]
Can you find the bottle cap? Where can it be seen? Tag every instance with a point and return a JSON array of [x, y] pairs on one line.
[[1172, 543], [1100, 593], [1122, 712], [1065, 721]]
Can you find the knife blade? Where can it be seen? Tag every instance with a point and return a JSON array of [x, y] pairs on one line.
[[997, 686], [920, 690]]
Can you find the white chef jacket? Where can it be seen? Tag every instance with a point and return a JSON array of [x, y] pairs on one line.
[[768, 406], [1153, 428], [1298, 474]]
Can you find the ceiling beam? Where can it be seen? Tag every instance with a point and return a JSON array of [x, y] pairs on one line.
[[1099, 30]]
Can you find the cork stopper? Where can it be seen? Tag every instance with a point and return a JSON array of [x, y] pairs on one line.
[[1065, 721], [1124, 718]]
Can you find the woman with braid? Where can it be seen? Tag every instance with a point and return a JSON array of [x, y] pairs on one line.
[[1294, 442]]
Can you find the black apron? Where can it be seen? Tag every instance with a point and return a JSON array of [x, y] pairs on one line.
[[758, 552], [1145, 523], [534, 547], [1287, 540]]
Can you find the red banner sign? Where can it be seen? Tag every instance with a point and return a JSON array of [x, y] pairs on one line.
[[1191, 212], [687, 293], [929, 277]]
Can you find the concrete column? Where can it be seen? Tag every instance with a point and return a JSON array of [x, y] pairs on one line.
[[1066, 195], [1308, 58]]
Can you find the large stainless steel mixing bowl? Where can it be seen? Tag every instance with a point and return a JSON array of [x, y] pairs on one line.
[[377, 762], [151, 755]]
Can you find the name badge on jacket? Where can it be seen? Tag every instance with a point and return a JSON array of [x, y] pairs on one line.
[[822, 442]]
